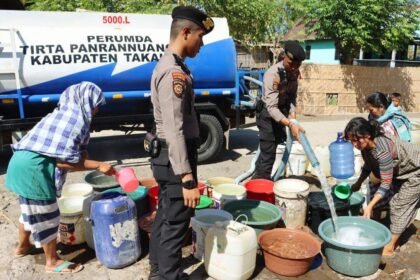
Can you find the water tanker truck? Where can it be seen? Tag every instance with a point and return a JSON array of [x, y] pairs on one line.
[[42, 53]]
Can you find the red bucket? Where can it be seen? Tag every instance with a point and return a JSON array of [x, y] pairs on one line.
[[153, 198], [201, 187], [260, 189]]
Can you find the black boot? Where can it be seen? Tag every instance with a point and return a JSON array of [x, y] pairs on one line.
[[154, 272]]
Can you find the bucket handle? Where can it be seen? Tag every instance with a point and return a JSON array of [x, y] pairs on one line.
[[246, 219], [239, 230]]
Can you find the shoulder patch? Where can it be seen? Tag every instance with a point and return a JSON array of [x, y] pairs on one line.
[[178, 76], [178, 83]]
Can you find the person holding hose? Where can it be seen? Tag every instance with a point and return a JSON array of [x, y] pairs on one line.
[[277, 107], [37, 169]]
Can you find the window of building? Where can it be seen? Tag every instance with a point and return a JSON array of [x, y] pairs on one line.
[[332, 99], [307, 52]]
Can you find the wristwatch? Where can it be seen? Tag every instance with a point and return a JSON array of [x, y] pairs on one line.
[[189, 185]]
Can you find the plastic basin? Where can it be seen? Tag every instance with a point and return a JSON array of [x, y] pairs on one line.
[[356, 201], [260, 189], [148, 182], [318, 209], [351, 260], [100, 181], [260, 215], [288, 252]]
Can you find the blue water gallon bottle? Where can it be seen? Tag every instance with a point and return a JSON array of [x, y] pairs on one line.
[[341, 158], [115, 230]]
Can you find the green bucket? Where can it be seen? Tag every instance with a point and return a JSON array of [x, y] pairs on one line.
[[260, 215], [139, 196], [354, 260]]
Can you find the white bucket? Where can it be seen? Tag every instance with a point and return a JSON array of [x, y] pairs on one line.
[[322, 153], [72, 228], [415, 133], [215, 181], [227, 192], [291, 197], [79, 189], [358, 162], [200, 223], [297, 161]]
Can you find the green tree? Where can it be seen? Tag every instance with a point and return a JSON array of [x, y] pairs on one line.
[[372, 25], [250, 21]]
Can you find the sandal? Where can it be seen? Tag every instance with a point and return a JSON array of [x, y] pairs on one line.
[[66, 267], [29, 251]]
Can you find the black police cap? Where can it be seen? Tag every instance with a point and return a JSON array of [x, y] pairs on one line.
[[294, 51], [195, 15]]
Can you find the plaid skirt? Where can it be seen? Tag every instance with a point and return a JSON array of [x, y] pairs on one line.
[[41, 218], [404, 204]]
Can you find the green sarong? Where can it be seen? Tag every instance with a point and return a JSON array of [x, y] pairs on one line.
[[31, 175]]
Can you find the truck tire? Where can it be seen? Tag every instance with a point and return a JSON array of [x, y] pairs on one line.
[[211, 138]]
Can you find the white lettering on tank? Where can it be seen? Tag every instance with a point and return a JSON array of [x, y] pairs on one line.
[[123, 231]]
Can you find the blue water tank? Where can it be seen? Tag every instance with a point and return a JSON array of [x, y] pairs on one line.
[[115, 230], [341, 158]]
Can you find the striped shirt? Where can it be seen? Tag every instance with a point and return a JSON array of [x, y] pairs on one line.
[[380, 161]]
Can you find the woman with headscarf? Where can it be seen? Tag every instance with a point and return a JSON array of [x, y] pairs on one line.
[[395, 163], [38, 167]]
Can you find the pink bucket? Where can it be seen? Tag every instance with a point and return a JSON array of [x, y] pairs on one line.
[[127, 179]]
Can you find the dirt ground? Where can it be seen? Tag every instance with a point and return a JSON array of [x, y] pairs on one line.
[[117, 148]]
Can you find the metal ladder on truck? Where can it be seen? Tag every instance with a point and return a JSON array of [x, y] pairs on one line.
[[13, 69]]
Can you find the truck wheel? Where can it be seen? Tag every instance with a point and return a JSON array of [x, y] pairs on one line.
[[211, 138]]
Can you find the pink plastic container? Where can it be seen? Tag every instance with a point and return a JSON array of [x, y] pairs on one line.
[[127, 179]]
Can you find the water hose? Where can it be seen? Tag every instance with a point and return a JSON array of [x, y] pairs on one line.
[[250, 171], [289, 142], [286, 155]]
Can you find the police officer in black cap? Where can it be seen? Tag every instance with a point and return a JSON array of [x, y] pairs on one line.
[[277, 107], [175, 167]]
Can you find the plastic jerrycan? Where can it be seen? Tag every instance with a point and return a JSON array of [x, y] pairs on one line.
[[341, 158], [230, 251], [115, 230]]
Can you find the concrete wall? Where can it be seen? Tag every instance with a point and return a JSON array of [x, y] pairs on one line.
[[257, 57], [342, 89], [322, 52]]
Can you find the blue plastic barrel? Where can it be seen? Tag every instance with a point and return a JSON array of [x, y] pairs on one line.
[[341, 158], [115, 230]]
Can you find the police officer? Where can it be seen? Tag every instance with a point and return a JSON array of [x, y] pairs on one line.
[[278, 106], [175, 168]]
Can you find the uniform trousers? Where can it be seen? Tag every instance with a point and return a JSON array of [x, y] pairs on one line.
[[271, 134], [172, 218]]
